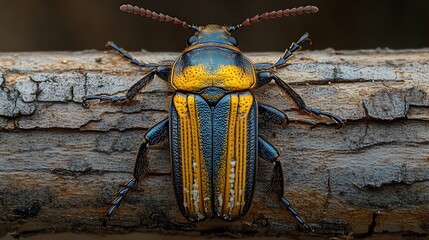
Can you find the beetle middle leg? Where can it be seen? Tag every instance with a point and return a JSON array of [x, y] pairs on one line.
[[272, 115], [266, 77], [153, 136], [267, 152], [161, 71]]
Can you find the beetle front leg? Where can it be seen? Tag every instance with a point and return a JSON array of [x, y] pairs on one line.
[[161, 71], [266, 77], [286, 55], [269, 153], [155, 135], [127, 55], [289, 52]]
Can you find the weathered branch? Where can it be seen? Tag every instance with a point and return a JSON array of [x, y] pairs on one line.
[[61, 164]]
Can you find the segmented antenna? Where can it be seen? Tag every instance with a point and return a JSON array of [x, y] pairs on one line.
[[157, 16], [275, 14]]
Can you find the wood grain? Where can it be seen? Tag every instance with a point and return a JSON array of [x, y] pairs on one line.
[[61, 164]]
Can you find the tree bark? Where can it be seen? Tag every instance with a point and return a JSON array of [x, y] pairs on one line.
[[61, 164]]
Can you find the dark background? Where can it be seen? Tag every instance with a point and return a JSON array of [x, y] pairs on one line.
[[42, 25]]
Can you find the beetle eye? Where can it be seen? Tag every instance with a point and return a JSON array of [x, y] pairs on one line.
[[233, 40], [192, 39]]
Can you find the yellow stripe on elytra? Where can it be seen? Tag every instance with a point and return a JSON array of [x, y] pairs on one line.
[[238, 165], [192, 167], [180, 104], [197, 187], [228, 77], [230, 161], [246, 103], [235, 174], [188, 162]]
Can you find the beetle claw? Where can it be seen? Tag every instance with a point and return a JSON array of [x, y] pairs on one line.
[[105, 221], [307, 228], [85, 103]]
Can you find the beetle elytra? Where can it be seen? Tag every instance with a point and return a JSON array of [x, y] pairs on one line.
[[212, 125]]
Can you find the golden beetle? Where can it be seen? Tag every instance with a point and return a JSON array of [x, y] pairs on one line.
[[212, 126]]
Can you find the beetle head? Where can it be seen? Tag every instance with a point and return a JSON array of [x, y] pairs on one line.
[[212, 33]]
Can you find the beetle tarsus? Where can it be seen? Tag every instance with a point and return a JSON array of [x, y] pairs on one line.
[[127, 55], [105, 221], [318, 113], [289, 52], [301, 222], [307, 228], [129, 186], [108, 215], [86, 100], [267, 152], [278, 188]]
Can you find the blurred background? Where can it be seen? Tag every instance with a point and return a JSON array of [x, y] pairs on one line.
[[58, 25]]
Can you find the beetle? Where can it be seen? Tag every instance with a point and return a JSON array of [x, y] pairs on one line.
[[212, 125]]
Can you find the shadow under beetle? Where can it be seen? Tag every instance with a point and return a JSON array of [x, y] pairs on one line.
[[212, 126]]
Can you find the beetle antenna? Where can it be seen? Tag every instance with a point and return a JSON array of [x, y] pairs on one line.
[[275, 14], [157, 16]]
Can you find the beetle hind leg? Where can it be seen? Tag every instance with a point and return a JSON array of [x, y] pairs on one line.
[[269, 153], [278, 188], [155, 135]]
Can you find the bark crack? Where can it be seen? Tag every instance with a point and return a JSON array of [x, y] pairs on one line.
[[373, 224], [38, 90]]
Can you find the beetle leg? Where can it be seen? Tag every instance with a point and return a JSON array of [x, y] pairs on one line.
[[130, 93], [272, 115], [266, 77], [269, 153], [161, 71], [277, 187], [289, 52], [299, 102], [286, 55], [127, 55], [155, 135]]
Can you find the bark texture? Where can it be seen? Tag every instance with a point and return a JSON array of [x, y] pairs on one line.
[[61, 164]]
